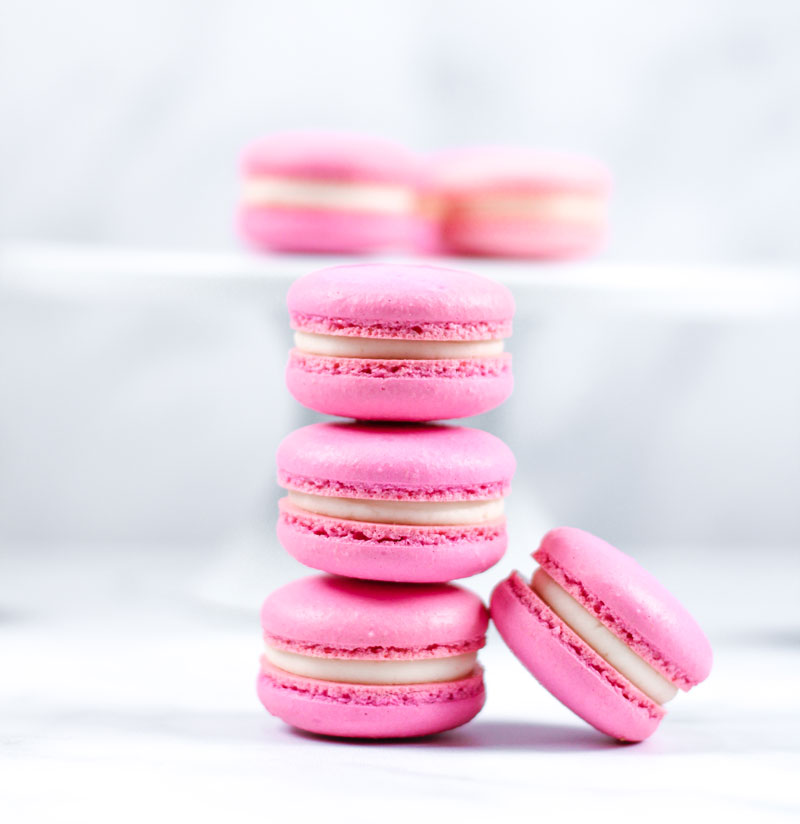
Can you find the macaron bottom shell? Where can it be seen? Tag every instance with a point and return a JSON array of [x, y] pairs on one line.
[[399, 390], [390, 552], [367, 710], [568, 667], [520, 238], [324, 231]]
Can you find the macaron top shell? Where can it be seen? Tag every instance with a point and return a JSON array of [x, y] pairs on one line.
[[518, 169], [629, 601], [330, 616], [330, 156], [395, 462], [401, 301]]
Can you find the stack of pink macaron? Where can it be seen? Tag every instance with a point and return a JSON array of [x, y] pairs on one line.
[[339, 193], [392, 508], [399, 505]]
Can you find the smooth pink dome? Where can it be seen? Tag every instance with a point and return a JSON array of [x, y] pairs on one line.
[[516, 168], [331, 156], [398, 462], [378, 293], [340, 616]]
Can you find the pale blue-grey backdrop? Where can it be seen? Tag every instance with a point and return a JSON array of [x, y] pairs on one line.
[[152, 416]]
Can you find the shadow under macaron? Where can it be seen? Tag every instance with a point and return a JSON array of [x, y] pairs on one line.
[[490, 735]]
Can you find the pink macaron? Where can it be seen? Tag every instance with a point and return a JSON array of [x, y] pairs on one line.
[[410, 503], [398, 342], [327, 192], [601, 634], [519, 203], [372, 660]]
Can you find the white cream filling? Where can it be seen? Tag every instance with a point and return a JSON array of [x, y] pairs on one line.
[[385, 198], [616, 652], [361, 671], [393, 349], [569, 207], [417, 513]]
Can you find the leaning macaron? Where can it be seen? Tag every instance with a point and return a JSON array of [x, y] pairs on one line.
[[601, 634], [328, 192], [519, 203], [372, 660], [399, 342], [409, 503]]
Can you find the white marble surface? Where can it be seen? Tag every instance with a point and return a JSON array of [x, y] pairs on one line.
[[125, 696]]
